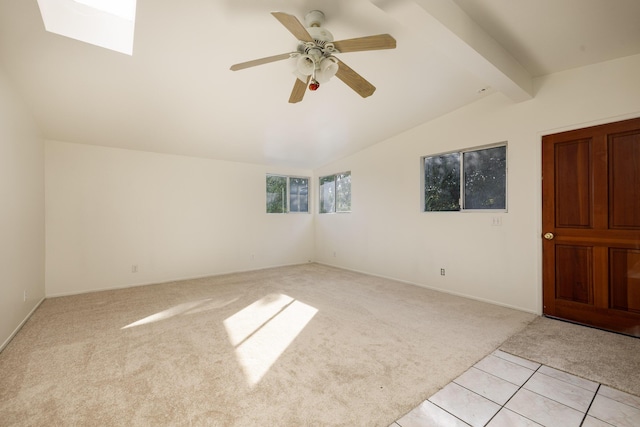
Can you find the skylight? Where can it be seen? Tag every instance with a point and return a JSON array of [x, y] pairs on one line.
[[105, 23]]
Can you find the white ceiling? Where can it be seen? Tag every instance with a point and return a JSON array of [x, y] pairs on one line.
[[177, 95]]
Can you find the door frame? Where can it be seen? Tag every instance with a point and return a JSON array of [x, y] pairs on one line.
[[538, 177]]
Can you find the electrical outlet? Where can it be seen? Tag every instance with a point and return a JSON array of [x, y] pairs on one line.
[[334, 254], [134, 268], [442, 271]]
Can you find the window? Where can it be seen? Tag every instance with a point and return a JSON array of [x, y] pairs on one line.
[[287, 194], [298, 194], [335, 193], [466, 180]]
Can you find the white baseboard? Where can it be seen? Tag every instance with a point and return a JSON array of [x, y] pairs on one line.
[[432, 288], [163, 281], [13, 334]]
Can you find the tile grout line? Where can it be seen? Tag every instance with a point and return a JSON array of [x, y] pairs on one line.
[[516, 392], [515, 362], [595, 392], [618, 401], [460, 385], [590, 403], [555, 401], [598, 383], [567, 382], [585, 413], [500, 378], [453, 415], [561, 380], [533, 371]]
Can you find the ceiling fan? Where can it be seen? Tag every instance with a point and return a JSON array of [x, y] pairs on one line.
[[315, 58]]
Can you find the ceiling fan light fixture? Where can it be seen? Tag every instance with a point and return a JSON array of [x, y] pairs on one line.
[[306, 65], [314, 61], [327, 69], [300, 76]]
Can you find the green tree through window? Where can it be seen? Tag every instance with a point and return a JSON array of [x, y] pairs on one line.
[[485, 179], [335, 193], [276, 194], [483, 184], [298, 194], [442, 182]]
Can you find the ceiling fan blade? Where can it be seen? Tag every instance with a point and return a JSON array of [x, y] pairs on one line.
[[380, 41], [294, 26], [268, 59], [299, 88], [354, 80]]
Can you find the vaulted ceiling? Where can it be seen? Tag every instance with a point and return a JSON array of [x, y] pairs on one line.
[[176, 94]]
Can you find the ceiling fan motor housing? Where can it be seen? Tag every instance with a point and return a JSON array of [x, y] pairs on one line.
[[320, 34], [315, 18]]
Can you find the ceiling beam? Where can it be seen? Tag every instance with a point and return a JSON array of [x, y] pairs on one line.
[[445, 25]]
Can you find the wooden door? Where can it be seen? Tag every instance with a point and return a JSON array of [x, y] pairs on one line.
[[591, 226]]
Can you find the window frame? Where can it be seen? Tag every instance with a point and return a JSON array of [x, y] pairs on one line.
[[288, 194], [461, 201], [335, 189]]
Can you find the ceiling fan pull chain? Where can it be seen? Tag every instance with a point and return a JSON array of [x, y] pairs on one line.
[[313, 83]]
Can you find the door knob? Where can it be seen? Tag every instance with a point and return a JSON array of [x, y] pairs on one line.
[[549, 236]]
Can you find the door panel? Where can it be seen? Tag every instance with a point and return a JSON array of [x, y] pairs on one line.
[[625, 279], [624, 180], [574, 273], [573, 193], [591, 226]]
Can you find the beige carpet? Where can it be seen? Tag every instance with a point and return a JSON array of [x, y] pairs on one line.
[[605, 357], [307, 345]]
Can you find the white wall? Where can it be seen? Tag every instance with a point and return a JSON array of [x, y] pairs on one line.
[[174, 217], [21, 214], [177, 217], [388, 235]]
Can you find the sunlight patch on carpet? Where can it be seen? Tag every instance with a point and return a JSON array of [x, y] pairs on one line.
[[191, 307], [263, 330]]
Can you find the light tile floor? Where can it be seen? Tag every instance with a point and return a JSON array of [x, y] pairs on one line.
[[503, 390]]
